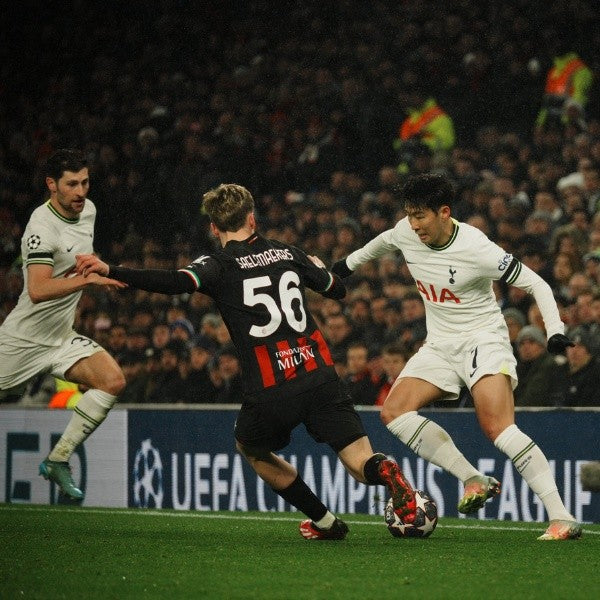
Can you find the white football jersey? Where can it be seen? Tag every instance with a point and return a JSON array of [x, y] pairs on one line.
[[455, 280], [50, 239]]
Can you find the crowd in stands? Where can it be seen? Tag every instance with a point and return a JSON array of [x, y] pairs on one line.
[[303, 103]]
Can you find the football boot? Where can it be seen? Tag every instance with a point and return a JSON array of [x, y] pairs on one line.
[[60, 474], [478, 490], [562, 530], [310, 531]]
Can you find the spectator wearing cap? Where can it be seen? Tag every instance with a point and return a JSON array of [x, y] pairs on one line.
[[571, 192], [181, 329], [583, 380], [541, 383], [199, 386], [209, 326], [232, 388]]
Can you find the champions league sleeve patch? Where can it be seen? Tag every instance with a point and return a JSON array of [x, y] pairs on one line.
[[34, 241]]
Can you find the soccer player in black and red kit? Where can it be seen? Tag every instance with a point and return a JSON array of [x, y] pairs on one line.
[[258, 286]]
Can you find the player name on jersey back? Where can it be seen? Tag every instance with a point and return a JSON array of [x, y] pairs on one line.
[[262, 259]]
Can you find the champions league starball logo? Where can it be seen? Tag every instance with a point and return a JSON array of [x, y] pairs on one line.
[[34, 241], [147, 477]]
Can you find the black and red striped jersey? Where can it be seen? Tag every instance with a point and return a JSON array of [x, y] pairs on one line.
[[259, 288]]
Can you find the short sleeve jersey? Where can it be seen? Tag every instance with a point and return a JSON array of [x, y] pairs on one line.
[[259, 288], [50, 239]]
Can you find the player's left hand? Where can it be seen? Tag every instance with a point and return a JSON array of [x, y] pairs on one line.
[[317, 261], [558, 343]]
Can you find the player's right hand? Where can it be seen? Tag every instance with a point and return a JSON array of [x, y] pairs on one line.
[[105, 282], [341, 268], [558, 343], [90, 263]]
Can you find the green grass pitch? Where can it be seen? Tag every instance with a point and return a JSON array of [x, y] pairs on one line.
[[69, 552]]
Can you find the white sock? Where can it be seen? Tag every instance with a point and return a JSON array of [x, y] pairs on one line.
[[533, 466], [428, 440], [90, 411], [326, 522]]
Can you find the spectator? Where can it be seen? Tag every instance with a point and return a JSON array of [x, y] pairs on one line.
[[231, 390], [117, 340], [161, 334], [515, 321], [427, 127], [133, 364], [567, 90], [541, 383], [338, 333], [361, 384], [583, 380], [167, 384], [393, 358], [199, 386], [181, 329], [414, 330]]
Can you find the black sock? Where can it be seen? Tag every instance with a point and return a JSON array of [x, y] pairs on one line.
[[371, 469], [298, 494]]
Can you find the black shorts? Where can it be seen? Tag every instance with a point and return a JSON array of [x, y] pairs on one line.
[[326, 411]]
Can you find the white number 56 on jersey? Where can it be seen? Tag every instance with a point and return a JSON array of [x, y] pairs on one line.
[[288, 292]]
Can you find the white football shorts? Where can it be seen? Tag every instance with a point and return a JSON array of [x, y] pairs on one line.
[[21, 360], [455, 364]]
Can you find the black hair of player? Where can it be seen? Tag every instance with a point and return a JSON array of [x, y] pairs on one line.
[[65, 159], [427, 191]]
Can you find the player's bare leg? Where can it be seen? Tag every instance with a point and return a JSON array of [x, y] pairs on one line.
[[494, 405], [286, 482]]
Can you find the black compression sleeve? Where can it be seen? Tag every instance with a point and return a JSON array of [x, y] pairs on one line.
[[154, 280]]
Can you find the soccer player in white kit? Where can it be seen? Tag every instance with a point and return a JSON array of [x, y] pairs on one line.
[[38, 336], [454, 266]]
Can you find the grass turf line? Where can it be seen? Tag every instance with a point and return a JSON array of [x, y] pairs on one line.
[[65, 552]]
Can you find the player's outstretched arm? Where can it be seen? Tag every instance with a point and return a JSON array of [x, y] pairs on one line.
[[162, 281], [42, 286], [384, 242]]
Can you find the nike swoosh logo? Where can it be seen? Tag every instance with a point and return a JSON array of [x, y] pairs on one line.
[[71, 248], [474, 364]]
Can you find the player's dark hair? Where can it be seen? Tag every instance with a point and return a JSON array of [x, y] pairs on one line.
[[427, 191], [228, 206], [65, 159]]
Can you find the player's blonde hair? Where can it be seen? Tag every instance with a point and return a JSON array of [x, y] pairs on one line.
[[228, 205]]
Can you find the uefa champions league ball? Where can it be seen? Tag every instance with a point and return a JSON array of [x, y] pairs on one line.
[[423, 524]]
